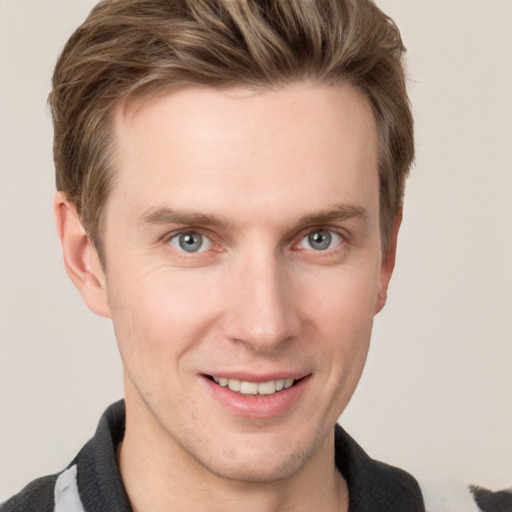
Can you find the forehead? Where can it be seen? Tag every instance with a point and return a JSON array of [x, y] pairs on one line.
[[300, 144]]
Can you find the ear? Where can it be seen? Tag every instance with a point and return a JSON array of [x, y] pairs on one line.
[[80, 257], [388, 264]]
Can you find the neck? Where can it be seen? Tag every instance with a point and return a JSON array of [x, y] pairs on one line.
[[160, 476]]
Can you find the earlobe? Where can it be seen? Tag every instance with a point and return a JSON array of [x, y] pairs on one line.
[[81, 259], [388, 264]]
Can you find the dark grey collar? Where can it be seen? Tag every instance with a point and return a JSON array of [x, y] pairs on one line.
[[373, 486]]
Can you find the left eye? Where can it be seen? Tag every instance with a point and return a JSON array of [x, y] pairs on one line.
[[321, 240], [190, 242]]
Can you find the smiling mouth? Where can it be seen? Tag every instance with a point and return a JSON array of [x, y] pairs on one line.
[[270, 387]]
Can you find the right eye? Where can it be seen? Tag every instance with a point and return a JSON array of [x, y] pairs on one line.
[[321, 240], [190, 241]]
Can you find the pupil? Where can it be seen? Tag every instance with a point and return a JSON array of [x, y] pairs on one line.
[[320, 240], [190, 242]]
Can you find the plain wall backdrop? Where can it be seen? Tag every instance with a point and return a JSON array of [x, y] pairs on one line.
[[436, 395]]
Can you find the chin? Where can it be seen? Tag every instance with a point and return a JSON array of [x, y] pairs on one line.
[[263, 463], [262, 470]]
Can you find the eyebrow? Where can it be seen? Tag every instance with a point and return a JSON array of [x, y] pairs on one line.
[[338, 212], [165, 216]]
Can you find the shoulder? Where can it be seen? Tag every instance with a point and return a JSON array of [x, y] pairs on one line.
[[464, 498], [37, 496], [489, 501], [375, 486], [56, 493], [90, 482]]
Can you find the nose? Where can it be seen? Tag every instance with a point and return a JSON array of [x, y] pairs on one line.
[[262, 312]]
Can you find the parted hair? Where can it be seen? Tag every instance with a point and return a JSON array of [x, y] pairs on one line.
[[134, 49]]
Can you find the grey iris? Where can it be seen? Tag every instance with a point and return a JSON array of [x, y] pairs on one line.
[[320, 240], [191, 242]]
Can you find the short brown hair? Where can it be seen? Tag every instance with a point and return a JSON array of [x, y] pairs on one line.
[[130, 49]]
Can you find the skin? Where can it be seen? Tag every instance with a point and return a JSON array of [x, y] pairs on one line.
[[253, 173]]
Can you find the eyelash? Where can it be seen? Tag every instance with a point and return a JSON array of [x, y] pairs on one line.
[[340, 239], [176, 237], [332, 236]]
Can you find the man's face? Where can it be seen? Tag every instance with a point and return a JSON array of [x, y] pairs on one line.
[[242, 247]]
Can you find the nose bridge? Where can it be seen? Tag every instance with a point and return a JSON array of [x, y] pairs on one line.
[[262, 311]]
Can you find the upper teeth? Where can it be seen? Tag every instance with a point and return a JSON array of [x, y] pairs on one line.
[[254, 388]]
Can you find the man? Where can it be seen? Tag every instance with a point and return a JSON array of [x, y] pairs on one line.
[[230, 181]]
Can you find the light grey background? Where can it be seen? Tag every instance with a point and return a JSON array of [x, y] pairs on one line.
[[436, 396]]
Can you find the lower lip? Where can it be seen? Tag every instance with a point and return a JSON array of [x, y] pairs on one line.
[[258, 406]]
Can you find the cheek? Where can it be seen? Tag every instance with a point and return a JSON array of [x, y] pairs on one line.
[[341, 313], [342, 300], [157, 318]]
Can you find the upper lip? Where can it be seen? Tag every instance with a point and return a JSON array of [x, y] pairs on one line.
[[248, 376]]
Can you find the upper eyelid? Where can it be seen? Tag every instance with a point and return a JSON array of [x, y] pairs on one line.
[[299, 238], [175, 237], [293, 240], [329, 230], [183, 231], [336, 230]]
